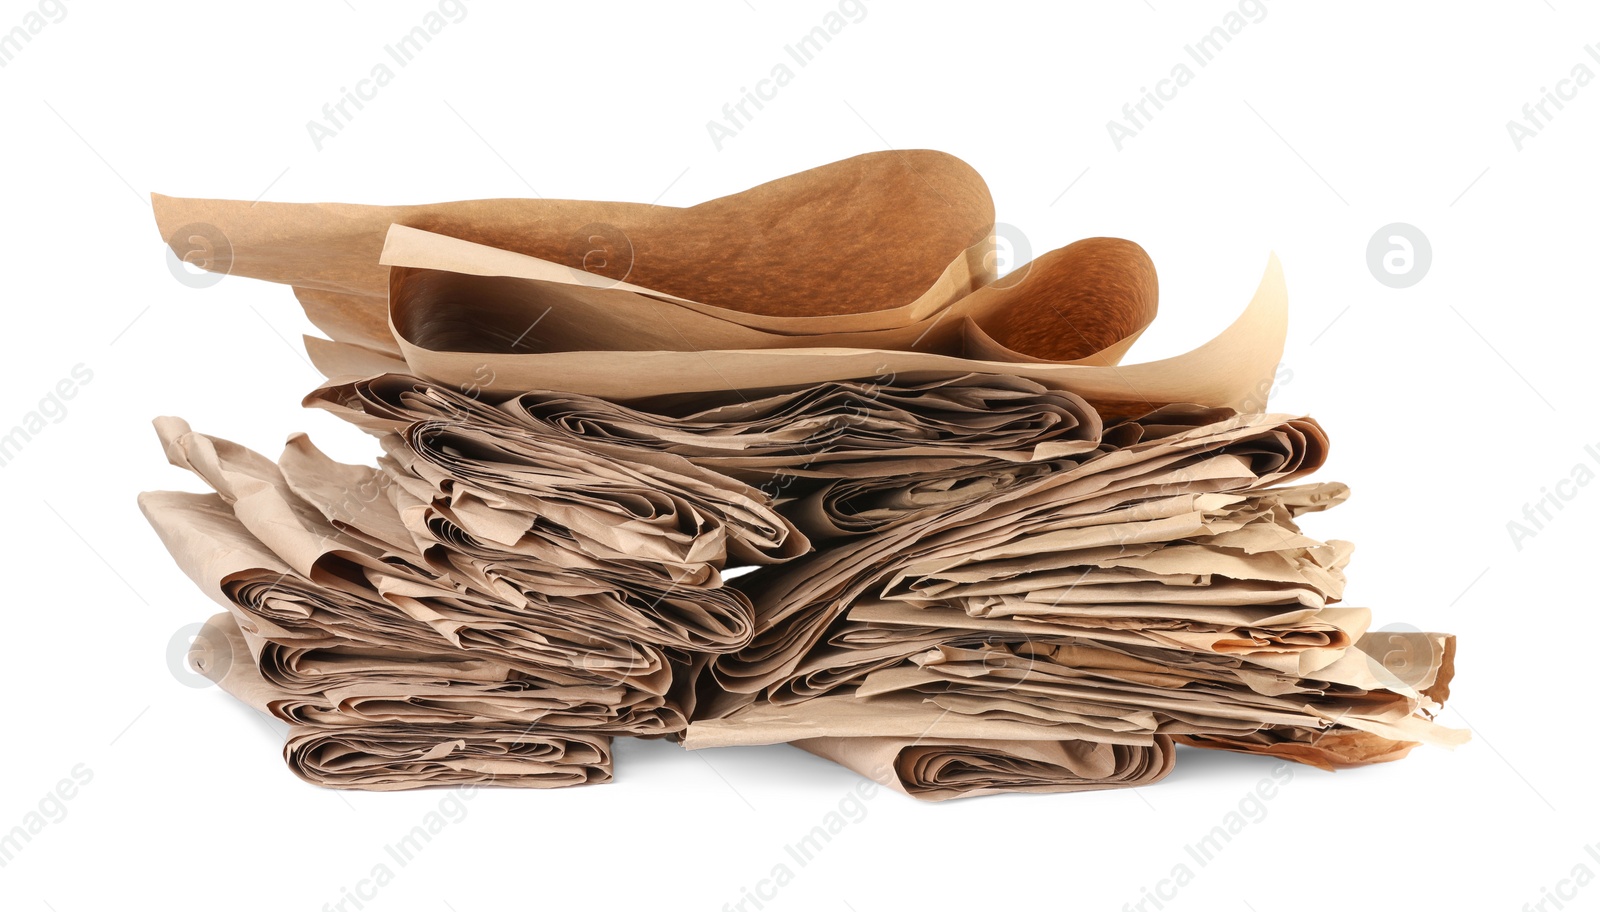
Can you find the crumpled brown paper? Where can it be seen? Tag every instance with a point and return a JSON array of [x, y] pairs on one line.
[[978, 553], [377, 756], [499, 296], [938, 770]]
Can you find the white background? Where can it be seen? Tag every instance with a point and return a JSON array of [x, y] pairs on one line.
[[1452, 404]]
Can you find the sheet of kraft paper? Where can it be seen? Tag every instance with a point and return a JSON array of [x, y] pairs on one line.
[[879, 264], [983, 555]]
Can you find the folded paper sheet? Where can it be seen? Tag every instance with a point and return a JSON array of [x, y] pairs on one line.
[[386, 756], [936, 770], [777, 287], [975, 552]]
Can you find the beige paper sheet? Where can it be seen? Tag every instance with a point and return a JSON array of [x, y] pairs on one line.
[[935, 770], [988, 555], [380, 757], [814, 242]]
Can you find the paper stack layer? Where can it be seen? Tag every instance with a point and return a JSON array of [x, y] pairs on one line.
[[791, 466]]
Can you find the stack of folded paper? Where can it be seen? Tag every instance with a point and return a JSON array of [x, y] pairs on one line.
[[791, 466]]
